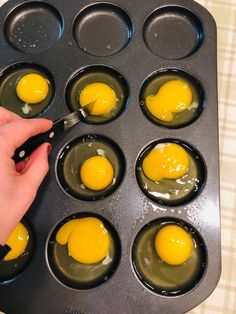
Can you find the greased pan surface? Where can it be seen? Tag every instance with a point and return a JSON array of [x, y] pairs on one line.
[[147, 37]]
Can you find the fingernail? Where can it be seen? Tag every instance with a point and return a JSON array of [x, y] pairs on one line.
[[48, 120], [49, 148]]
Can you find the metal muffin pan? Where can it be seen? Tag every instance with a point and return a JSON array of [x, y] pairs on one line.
[[187, 42]]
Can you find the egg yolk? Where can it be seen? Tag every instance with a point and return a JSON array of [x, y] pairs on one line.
[[17, 241], [173, 97], [96, 173], [101, 97], [173, 244], [32, 88], [166, 161], [87, 239]]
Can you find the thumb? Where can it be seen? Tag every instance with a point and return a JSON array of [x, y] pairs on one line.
[[37, 167]]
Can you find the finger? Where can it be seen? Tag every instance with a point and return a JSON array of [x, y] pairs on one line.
[[27, 184], [7, 116], [14, 134], [36, 168]]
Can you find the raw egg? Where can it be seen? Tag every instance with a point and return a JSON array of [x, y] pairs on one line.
[[87, 239], [90, 167], [83, 251], [17, 241], [170, 172], [167, 258], [173, 97], [101, 96], [166, 160], [173, 244], [32, 88], [96, 173]]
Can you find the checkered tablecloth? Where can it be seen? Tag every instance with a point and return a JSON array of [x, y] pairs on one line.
[[223, 299]]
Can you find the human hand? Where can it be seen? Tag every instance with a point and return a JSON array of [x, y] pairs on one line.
[[19, 183]]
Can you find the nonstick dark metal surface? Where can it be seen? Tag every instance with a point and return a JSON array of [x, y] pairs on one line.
[[190, 48]]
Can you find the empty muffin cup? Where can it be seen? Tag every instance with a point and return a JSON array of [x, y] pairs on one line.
[[90, 167], [110, 26], [185, 262], [102, 87], [26, 89], [170, 172], [173, 32], [89, 255], [33, 27], [172, 98], [22, 243]]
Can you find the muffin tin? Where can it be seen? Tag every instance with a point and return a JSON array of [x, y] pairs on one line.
[[135, 40]]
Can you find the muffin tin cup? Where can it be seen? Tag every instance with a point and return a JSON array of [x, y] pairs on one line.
[[63, 268], [164, 191], [94, 74], [75, 153], [155, 81], [173, 32], [127, 208], [102, 19], [9, 79], [11, 270], [33, 27], [156, 274]]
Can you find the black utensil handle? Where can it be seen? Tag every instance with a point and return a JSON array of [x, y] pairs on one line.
[[29, 146]]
